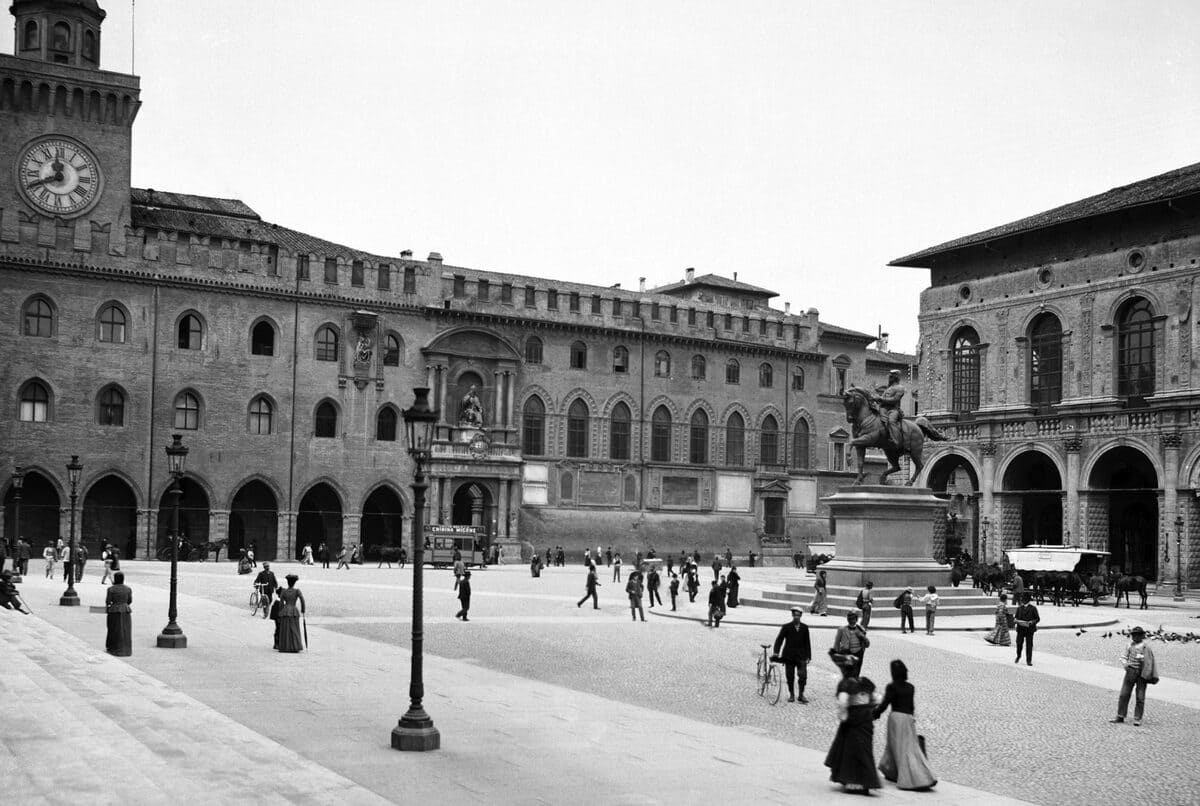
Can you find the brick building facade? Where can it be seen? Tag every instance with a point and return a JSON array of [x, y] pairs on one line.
[[692, 415], [1059, 352]]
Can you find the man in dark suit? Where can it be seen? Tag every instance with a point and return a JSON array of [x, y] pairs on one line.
[[266, 583], [592, 584], [850, 643], [464, 596], [1027, 619], [793, 647]]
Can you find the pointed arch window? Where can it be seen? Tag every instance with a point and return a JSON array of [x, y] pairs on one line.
[[187, 411], [327, 343], [800, 445], [619, 432], [662, 364], [261, 416], [325, 420], [112, 323], [735, 440], [39, 318], [577, 429], [1045, 363], [964, 365], [766, 375], [620, 359], [698, 438], [699, 368], [660, 435], [733, 371], [190, 334], [1135, 349], [262, 339], [385, 425], [110, 407], [35, 403], [768, 441], [533, 427], [533, 350], [391, 350]]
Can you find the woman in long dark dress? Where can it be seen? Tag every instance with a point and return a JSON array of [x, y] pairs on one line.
[[733, 581], [291, 639], [118, 601], [903, 763], [851, 757]]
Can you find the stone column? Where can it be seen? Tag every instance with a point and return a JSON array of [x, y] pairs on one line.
[[502, 510], [1078, 536], [287, 536], [443, 402], [497, 399], [1171, 443], [511, 493], [986, 486], [218, 526], [147, 528], [430, 378], [352, 532], [510, 381]]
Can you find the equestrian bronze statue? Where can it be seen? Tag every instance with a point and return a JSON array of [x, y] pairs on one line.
[[878, 422]]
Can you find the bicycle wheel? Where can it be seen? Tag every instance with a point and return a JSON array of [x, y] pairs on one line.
[[762, 667], [255, 601], [164, 554], [773, 684]]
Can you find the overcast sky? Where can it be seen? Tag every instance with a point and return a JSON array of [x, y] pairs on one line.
[[800, 144]]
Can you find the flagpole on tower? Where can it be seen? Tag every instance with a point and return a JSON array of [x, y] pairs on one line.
[[132, 36]]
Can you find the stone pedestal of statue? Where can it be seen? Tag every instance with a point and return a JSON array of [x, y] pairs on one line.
[[885, 535]]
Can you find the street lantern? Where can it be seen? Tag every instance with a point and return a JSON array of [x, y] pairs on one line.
[[172, 636], [415, 730], [1178, 558], [70, 598], [18, 481]]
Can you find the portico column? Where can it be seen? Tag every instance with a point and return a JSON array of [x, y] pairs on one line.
[[986, 485], [218, 527], [1171, 443], [1078, 536], [352, 532], [498, 399], [511, 421], [443, 385], [287, 523], [502, 514]]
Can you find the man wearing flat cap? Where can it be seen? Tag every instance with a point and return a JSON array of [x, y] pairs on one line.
[[792, 646], [851, 642]]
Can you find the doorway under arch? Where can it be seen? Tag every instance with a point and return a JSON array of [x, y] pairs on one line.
[[110, 516], [193, 514], [382, 521], [1125, 482], [41, 509], [1033, 485], [254, 522], [953, 479], [319, 521], [474, 506]]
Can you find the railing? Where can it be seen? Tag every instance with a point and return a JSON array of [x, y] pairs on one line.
[[459, 450]]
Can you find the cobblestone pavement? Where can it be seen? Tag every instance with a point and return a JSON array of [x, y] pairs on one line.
[[668, 701]]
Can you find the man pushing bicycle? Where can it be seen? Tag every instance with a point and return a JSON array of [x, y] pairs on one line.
[[793, 648], [266, 585]]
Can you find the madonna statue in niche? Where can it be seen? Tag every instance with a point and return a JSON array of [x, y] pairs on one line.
[[470, 410], [362, 350]]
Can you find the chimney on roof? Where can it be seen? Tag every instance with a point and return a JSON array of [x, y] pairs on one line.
[[787, 307], [883, 342], [406, 254], [689, 275], [735, 276], [642, 284], [435, 257], [813, 312]]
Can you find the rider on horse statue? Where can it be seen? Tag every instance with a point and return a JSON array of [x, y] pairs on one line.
[[887, 399]]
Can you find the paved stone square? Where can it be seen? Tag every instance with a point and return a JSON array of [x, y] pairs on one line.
[[539, 701]]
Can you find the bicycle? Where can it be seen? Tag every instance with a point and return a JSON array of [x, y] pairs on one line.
[[770, 679], [259, 598]]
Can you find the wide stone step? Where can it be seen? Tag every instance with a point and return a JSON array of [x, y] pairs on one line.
[[961, 601]]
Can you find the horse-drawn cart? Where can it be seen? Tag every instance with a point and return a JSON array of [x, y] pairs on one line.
[[1061, 571]]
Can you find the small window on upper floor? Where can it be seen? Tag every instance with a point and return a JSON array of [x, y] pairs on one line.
[[691, 316], [356, 273], [745, 324], [733, 371], [483, 290], [187, 411], [191, 332], [331, 271], [506, 292], [302, 267], [410, 280], [766, 375], [35, 402], [779, 329], [620, 360], [327, 344], [578, 355], [460, 286], [260, 416], [533, 350], [662, 364], [637, 310], [552, 300], [616, 307], [262, 339], [530, 297], [325, 419], [391, 350], [385, 425], [798, 380], [39, 318], [699, 368], [60, 37], [384, 276], [654, 311], [112, 324], [710, 319], [762, 327], [89, 45], [110, 406], [30, 40], [674, 314], [573, 302], [729, 321], [596, 303]]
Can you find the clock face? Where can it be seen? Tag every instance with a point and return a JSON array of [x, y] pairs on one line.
[[59, 176]]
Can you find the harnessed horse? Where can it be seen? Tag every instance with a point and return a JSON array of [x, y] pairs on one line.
[[870, 431]]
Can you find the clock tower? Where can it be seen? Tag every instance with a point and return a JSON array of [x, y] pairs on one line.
[[65, 156]]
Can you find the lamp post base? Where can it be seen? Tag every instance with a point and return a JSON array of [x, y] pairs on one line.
[[69, 599], [172, 640], [1178, 598], [416, 732]]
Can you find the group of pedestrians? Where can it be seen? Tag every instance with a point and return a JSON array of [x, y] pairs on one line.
[[19, 556]]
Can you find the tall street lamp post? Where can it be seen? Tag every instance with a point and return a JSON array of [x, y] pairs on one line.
[[1178, 558], [415, 730], [983, 540], [172, 636], [70, 598], [18, 480]]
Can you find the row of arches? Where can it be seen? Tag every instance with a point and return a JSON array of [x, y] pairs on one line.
[[109, 514], [25, 96]]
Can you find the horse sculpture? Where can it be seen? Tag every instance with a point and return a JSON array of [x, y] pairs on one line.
[[870, 431]]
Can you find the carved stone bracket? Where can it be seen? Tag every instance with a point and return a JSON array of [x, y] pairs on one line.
[[988, 449], [1073, 445], [1171, 441]]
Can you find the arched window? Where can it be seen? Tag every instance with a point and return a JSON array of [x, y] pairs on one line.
[[699, 368], [31, 36], [112, 324], [1045, 363], [385, 425], [619, 432], [766, 375], [735, 440], [620, 359], [797, 380], [533, 350], [191, 332], [768, 442], [578, 355], [262, 339], [662, 364], [187, 411], [61, 36], [110, 406], [733, 371], [1135, 349], [698, 438], [533, 427], [325, 420], [660, 435], [39, 318], [964, 366], [89, 45], [577, 429], [35, 402], [261, 415], [391, 350], [327, 343], [837, 381], [800, 446]]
